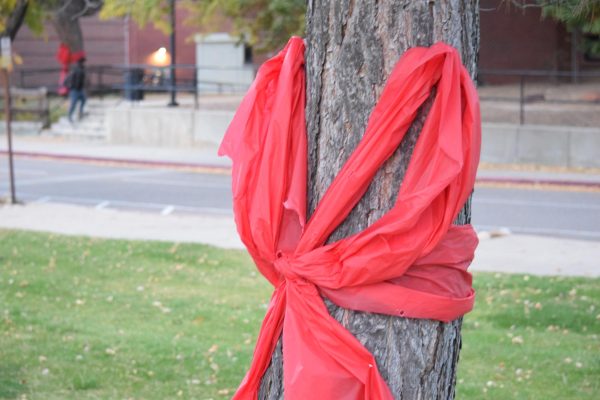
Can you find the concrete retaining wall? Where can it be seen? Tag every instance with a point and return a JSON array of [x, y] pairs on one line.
[[169, 127], [541, 144], [502, 143]]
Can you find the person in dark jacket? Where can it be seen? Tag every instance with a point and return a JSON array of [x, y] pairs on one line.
[[75, 82]]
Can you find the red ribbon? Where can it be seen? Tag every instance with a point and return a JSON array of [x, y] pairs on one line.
[[412, 262], [65, 57]]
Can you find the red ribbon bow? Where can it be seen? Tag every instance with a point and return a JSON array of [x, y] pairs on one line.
[[412, 262]]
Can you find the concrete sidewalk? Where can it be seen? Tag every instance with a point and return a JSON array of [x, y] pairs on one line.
[[106, 223], [511, 253], [48, 146]]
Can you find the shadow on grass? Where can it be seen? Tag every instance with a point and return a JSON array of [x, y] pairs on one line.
[[11, 385]]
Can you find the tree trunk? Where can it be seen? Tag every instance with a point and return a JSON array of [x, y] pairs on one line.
[[352, 46], [15, 19], [65, 16]]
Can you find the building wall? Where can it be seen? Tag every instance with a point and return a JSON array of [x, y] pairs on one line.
[[104, 44], [514, 38]]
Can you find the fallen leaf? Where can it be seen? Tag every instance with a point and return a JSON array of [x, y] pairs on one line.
[[517, 340]]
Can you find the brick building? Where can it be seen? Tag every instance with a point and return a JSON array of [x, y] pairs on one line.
[[510, 39], [118, 42], [521, 39]]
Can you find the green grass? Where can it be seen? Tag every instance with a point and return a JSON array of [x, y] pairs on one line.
[[532, 338], [84, 318]]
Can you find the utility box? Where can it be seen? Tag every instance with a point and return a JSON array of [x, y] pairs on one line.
[[224, 64]]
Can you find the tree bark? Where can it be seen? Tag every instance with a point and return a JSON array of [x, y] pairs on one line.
[[15, 19], [65, 16], [352, 46]]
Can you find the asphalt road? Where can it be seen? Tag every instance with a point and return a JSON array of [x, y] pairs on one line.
[[556, 213], [156, 190], [559, 213]]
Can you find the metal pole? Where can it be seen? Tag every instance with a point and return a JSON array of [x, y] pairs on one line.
[[101, 82], [574, 56], [522, 101], [173, 102], [7, 116], [127, 44], [195, 88]]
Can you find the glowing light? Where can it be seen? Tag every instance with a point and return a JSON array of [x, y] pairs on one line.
[[159, 58]]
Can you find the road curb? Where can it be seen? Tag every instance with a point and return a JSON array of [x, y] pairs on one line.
[[219, 169], [200, 167], [539, 182]]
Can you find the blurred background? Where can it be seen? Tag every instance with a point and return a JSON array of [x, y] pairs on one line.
[[162, 84], [162, 81]]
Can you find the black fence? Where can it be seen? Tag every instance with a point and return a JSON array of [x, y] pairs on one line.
[[531, 86], [519, 87], [134, 80]]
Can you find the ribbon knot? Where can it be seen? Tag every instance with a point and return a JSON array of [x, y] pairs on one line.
[[284, 267]]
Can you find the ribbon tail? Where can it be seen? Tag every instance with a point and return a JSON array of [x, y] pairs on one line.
[[269, 334], [322, 359]]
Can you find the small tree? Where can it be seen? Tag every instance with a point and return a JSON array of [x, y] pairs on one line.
[[63, 14]]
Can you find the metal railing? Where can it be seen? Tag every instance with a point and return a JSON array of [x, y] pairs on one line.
[[105, 79], [524, 79], [135, 79]]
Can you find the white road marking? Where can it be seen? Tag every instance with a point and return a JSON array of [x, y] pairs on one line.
[[167, 210], [90, 201], [102, 205], [86, 177], [530, 203], [164, 182]]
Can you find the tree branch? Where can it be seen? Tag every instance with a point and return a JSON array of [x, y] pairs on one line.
[[90, 7], [16, 18]]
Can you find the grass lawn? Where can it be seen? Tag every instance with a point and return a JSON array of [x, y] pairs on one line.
[[84, 318]]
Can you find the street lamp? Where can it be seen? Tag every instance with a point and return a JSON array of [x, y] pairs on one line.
[[173, 102], [160, 58]]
